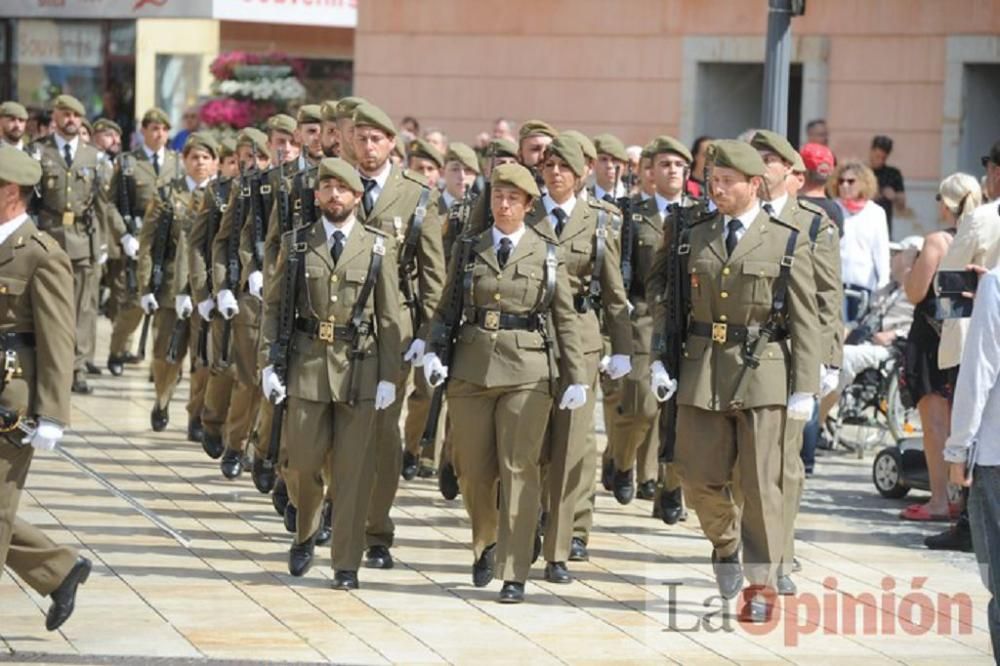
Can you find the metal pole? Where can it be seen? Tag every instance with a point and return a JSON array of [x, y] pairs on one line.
[[774, 112]]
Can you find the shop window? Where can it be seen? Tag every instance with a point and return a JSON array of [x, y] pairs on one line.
[[327, 79], [54, 57], [177, 83]]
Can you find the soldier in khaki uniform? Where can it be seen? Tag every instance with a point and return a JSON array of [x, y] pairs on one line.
[[142, 173], [13, 122], [36, 325], [513, 284], [425, 159], [779, 156], [752, 302], [70, 208], [342, 369], [344, 116]]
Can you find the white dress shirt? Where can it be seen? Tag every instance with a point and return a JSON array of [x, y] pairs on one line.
[[599, 191], [19, 145], [160, 154], [778, 205], [662, 202], [381, 178], [746, 219], [550, 204], [449, 200], [515, 238], [864, 248], [975, 415], [330, 228], [61, 142], [7, 229]]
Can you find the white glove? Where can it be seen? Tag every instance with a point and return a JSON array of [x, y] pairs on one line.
[[47, 434], [102, 258], [435, 372], [602, 367], [661, 383], [415, 354], [629, 307], [130, 246], [800, 406], [829, 380], [183, 305], [574, 397], [619, 366], [149, 304], [274, 390], [255, 284], [205, 308], [226, 304], [385, 395]]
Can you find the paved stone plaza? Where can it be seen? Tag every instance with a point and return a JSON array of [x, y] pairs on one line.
[[647, 595]]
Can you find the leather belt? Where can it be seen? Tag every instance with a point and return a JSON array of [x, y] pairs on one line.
[[327, 331], [494, 320], [722, 332], [15, 340]]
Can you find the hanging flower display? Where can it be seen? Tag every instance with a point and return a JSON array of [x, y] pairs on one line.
[[249, 87]]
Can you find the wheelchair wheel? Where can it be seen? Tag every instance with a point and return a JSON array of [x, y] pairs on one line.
[[887, 473]]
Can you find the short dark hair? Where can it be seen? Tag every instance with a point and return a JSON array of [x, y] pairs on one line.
[[812, 123], [696, 146], [411, 119], [882, 142]]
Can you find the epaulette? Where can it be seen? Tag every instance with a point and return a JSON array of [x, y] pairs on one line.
[[46, 241], [777, 220], [705, 216], [805, 204], [415, 177], [376, 230]]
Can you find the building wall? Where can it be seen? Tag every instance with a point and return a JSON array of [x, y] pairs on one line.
[[297, 40], [160, 36]]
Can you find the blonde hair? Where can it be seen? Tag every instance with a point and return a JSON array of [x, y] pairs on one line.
[[961, 194], [867, 184]]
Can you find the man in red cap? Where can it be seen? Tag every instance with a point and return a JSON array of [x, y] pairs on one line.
[[819, 162]]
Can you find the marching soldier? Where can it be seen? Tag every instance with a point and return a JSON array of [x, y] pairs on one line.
[[328, 135], [423, 158], [344, 115], [609, 168], [308, 132], [341, 338], [13, 121], [139, 175], [108, 137], [36, 334], [506, 284], [751, 361], [589, 160]]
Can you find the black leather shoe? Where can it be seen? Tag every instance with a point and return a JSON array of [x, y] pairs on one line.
[[116, 365], [756, 608], [159, 418], [325, 532], [378, 557], [958, 537], [786, 586], [263, 475], [410, 465], [291, 518], [647, 490], [448, 482], [728, 574], [195, 430], [623, 486], [345, 580], [64, 596], [511, 592], [426, 471], [80, 385], [300, 556], [578, 550], [608, 475], [556, 572], [482, 569], [212, 444], [231, 464], [279, 497], [671, 505], [92, 369]]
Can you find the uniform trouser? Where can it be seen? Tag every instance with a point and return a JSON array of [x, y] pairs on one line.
[[571, 460], [792, 485], [86, 285], [23, 547], [166, 374], [635, 419], [503, 429], [332, 440], [261, 435], [128, 319], [246, 397], [199, 372], [219, 387], [713, 450], [388, 460], [418, 407], [114, 279]]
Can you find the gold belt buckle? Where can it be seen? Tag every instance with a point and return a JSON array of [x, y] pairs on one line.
[[326, 331], [719, 333], [492, 321]]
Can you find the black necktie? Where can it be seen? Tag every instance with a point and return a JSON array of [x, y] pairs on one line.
[[607, 197], [369, 201], [560, 216], [769, 209], [156, 163], [731, 239], [68, 154], [503, 253], [338, 246]]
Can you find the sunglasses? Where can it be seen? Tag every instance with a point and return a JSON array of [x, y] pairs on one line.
[[847, 181]]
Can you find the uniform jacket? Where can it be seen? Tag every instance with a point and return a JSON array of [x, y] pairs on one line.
[[139, 169], [214, 199], [185, 204]]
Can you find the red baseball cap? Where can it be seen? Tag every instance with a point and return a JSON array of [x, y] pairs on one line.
[[818, 158]]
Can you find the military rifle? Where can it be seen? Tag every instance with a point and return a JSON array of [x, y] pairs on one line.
[[161, 243], [628, 231], [125, 183], [232, 276]]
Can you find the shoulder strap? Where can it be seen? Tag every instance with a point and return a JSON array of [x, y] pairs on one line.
[[409, 252], [551, 269], [374, 268], [600, 246], [781, 283], [817, 221]]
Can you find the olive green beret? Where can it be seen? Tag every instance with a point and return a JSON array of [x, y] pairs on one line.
[[155, 115], [399, 147], [107, 125], [13, 110], [371, 116], [202, 140], [567, 148], [334, 167], [611, 145], [460, 152], [534, 128], [798, 166], [346, 107], [737, 155], [328, 109], [86, 123], [420, 148], [516, 175], [18, 167], [647, 151], [281, 122], [251, 136], [588, 147], [775, 143], [668, 144], [501, 148], [309, 113], [227, 147], [69, 103]]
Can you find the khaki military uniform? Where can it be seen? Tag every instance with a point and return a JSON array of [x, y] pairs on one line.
[[719, 442], [328, 430], [500, 391], [36, 321]]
